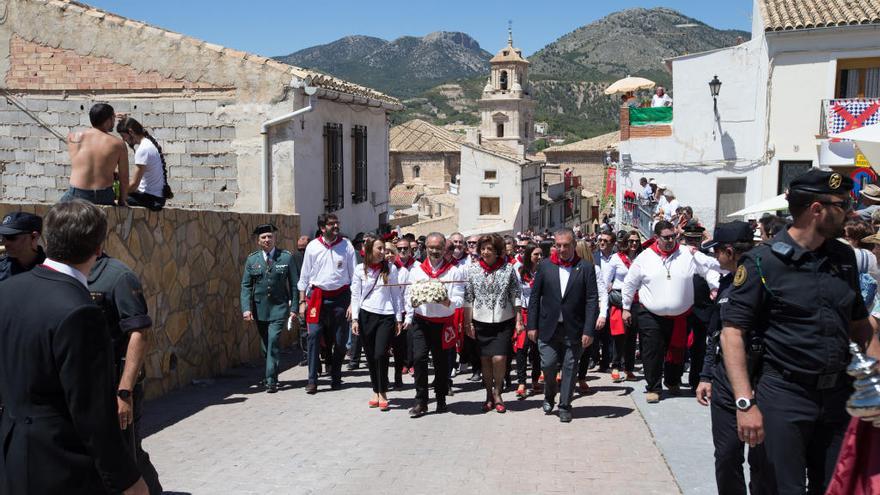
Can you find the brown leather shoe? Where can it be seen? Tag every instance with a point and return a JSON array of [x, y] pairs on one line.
[[312, 388], [418, 410], [652, 397]]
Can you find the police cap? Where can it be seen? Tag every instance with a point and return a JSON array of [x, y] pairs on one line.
[[693, 229], [821, 182], [265, 228], [729, 233], [20, 222]]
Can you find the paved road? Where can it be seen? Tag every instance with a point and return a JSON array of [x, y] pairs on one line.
[[228, 437]]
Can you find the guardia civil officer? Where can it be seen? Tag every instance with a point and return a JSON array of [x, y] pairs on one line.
[[19, 234], [798, 292], [118, 291], [729, 242], [268, 292]]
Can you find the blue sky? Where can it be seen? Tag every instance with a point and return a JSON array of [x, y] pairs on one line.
[[279, 27]]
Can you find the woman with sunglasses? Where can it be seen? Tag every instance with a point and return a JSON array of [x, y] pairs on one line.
[[629, 245]]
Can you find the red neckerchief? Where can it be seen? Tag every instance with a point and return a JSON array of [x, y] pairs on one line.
[[529, 279], [554, 258], [376, 266], [329, 246], [362, 252], [499, 262], [661, 253], [429, 270], [409, 263], [624, 258]]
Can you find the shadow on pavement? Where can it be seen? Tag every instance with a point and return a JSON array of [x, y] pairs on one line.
[[600, 411], [189, 400]]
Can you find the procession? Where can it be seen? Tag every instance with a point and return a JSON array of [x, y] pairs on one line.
[[632, 252]]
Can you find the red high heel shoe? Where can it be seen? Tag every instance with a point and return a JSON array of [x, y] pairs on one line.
[[488, 406], [499, 408]]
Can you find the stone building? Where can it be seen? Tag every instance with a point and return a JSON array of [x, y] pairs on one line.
[[586, 159], [214, 110], [507, 108], [422, 153]]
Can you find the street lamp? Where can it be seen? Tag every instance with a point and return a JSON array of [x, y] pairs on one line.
[[715, 88]]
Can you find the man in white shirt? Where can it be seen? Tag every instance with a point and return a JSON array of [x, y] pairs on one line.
[[662, 275], [325, 297], [432, 324], [646, 194], [660, 98]]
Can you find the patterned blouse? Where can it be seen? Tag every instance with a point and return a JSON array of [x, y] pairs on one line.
[[494, 297]]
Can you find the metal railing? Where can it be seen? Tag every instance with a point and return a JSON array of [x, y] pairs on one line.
[[639, 216]]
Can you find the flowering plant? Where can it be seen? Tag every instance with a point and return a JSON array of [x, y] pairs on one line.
[[427, 292]]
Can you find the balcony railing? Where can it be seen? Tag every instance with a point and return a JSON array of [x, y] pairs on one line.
[[639, 216], [650, 116], [845, 114]]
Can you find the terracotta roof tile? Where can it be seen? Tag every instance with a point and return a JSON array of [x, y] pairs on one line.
[[405, 194], [598, 143], [418, 136], [788, 15]]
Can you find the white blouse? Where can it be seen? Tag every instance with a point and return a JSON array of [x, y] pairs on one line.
[[370, 293]]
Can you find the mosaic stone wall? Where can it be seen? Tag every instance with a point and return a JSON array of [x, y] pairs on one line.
[[189, 263]]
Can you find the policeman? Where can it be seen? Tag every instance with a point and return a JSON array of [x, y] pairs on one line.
[[19, 234], [800, 293], [117, 290], [268, 287], [729, 242]]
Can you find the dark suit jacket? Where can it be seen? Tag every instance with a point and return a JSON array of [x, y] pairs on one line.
[[579, 307], [59, 428]]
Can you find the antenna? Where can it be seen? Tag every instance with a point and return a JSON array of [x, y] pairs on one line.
[[510, 32]]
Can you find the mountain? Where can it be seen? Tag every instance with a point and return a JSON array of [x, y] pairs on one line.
[[404, 67], [440, 77]]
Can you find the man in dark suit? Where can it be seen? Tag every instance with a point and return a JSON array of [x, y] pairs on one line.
[[59, 426], [565, 305]]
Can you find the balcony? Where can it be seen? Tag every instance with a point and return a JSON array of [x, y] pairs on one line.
[[572, 182], [637, 123], [568, 186]]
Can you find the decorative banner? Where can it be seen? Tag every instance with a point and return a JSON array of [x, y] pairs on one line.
[[845, 115], [611, 181]]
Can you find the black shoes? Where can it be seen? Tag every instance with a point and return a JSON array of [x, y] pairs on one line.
[[336, 386], [564, 415], [312, 388], [547, 407], [271, 388], [418, 410], [476, 377], [441, 406]]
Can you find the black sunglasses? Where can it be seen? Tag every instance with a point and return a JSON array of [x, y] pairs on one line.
[[845, 204], [667, 237]]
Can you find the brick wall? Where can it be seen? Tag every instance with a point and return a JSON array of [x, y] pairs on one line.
[[38, 67], [644, 131], [202, 166]]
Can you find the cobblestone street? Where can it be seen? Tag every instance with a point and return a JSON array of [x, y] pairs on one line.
[[227, 436]]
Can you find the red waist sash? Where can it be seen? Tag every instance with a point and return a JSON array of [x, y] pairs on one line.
[[316, 299], [678, 344], [450, 334]]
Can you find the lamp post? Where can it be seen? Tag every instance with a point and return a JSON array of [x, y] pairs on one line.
[[715, 88]]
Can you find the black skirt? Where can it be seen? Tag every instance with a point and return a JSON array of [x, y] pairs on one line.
[[494, 339]]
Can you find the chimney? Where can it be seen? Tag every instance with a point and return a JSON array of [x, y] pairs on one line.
[[472, 136]]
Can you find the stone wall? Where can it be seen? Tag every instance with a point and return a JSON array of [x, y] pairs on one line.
[[434, 168], [195, 137], [589, 165], [190, 264]]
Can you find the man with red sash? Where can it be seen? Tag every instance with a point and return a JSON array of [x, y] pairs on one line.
[[432, 325], [325, 297], [662, 276]]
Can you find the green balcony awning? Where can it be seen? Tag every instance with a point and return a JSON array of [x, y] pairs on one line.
[[650, 116]]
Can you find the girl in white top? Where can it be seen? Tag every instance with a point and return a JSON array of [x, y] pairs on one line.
[[624, 336], [524, 348], [148, 186], [376, 314]]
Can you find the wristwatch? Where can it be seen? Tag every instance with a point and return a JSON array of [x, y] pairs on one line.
[[744, 403], [126, 394]]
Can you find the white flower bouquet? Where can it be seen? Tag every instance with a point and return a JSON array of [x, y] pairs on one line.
[[427, 292]]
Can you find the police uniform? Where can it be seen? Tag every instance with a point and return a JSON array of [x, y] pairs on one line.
[[15, 224], [802, 304], [268, 286], [117, 290], [729, 456]]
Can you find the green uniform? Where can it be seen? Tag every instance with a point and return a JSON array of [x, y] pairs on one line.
[[268, 290]]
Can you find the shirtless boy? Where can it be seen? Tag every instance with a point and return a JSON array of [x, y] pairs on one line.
[[95, 155]]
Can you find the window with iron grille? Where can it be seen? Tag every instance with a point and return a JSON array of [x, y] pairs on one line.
[[333, 180], [359, 167]]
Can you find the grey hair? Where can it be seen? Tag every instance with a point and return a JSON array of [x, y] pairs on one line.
[[563, 231], [435, 234]]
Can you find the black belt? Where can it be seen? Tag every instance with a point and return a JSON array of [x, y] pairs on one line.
[[819, 381]]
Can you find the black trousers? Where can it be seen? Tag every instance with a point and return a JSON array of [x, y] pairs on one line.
[[470, 353], [697, 352], [528, 355], [133, 438], [427, 337], [376, 332], [400, 350], [803, 429], [729, 457], [656, 332], [624, 357]]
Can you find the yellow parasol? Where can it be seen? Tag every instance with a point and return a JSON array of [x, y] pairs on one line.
[[629, 83]]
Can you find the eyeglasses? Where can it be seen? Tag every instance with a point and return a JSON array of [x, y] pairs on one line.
[[472, 243], [603, 240], [10, 237], [844, 205], [634, 241], [403, 248], [668, 237]]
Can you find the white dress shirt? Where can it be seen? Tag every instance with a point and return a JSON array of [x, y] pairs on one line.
[[370, 293], [454, 290], [661, 101], [326, 268], [617, 271], [67, 270], [665, 286], [268, 255]]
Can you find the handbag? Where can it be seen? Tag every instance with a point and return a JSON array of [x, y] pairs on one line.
[[615, 298]]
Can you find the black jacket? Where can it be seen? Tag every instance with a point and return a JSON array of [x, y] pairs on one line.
[[59, 427], [579, 307]]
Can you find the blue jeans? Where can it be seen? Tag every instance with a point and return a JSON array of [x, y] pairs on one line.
[[333, 329], [104, 196]]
